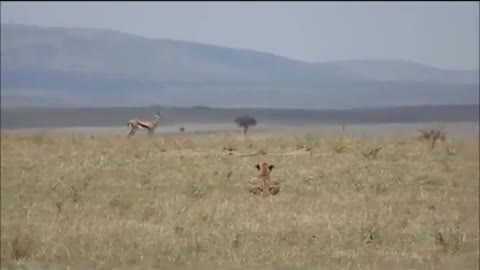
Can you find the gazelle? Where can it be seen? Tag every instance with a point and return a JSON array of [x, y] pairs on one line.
[[150, 126]]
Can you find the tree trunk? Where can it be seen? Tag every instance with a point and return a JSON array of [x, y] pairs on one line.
[[245, 128]]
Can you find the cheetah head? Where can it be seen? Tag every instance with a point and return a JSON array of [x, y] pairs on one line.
[[265, 168]]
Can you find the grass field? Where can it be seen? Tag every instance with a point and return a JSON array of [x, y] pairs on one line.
[[182, 203]]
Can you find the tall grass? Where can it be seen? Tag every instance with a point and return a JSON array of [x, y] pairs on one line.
[[109, 202]]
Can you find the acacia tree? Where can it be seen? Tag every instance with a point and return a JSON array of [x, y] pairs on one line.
[[245, 122]]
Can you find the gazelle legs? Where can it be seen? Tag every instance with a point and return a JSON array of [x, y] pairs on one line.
[[132, 132]]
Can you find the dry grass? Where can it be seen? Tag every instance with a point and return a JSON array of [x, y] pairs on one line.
[[109, 202]]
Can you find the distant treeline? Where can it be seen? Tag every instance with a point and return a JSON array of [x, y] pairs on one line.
[[118, 116]]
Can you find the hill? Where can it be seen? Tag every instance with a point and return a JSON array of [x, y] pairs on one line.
[[399, 70], [52, 66]]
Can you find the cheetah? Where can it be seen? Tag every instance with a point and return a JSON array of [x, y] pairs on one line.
[[263, 184]]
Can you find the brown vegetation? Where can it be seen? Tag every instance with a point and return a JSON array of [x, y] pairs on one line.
[[432, 136], [110, 202]]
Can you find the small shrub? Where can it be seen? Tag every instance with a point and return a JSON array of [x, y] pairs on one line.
[[432, 136], [197, 190], [38, 139], [229, 174], [369, 234], [450, 241], [75, 194], [122, 206], [59, 206], [339, 147], [229, 150], [22, 245], [148, 213], [371, 153]]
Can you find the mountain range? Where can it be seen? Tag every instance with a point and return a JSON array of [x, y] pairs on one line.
[[54, 66]]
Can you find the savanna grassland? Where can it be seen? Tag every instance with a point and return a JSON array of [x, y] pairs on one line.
[[181, 202]]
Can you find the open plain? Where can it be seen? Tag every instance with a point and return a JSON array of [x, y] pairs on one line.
[[180, 202]]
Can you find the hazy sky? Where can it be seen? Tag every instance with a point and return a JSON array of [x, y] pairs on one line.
[[442, 34]]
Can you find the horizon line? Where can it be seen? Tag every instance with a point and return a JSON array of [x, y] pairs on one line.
[[205, 107]]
